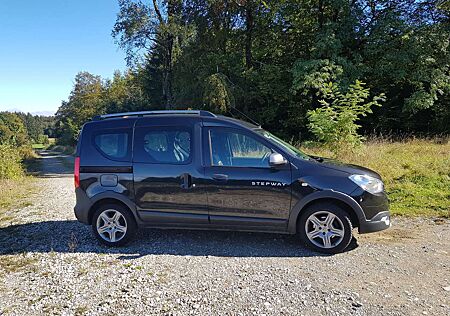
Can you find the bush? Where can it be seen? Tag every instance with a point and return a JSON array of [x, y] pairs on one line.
[[43, 139], [334, 124], [10, 163]]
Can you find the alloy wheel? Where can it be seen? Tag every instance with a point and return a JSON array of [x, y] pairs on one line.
[[111, 225], [324, 229]]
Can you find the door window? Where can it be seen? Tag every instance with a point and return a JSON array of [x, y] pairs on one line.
[[234, 149], [162, 145]]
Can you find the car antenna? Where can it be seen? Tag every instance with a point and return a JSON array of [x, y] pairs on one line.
[[245, 116]]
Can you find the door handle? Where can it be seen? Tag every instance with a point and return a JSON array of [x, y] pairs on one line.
[[220, 177], [186, 179]]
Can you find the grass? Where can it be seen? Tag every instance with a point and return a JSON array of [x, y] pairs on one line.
[[15, 263], [15, 194], [416, 173], [39, 146]]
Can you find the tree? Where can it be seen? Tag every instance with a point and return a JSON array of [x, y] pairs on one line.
[[335, 122], [12, 130], [269, 59], [86, 100], [161, 34]]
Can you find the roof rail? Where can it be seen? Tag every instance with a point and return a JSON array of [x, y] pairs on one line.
[[145, 113]]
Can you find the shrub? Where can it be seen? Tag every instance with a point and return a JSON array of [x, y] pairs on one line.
[[334, 124], [10, 163], [43, 139]]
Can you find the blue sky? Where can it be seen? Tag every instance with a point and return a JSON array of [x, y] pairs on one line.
[[43, 44]]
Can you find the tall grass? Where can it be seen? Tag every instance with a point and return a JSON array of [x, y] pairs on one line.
[[416, 173], [10, 162], [15, 187]]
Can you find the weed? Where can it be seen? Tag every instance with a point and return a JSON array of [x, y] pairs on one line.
[[73, 243], [15, 263]]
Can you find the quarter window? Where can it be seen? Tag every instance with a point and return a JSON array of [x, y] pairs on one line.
[[112, 145], [163, 145], [233, 149]]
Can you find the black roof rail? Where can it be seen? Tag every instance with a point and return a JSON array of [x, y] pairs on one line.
[[159, 112]]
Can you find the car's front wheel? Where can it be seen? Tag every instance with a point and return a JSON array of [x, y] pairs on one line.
[[326, 228], [113, 225]]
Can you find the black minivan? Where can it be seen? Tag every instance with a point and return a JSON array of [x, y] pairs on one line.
[[197, 170]]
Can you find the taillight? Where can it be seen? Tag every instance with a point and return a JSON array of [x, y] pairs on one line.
[[76, 172]]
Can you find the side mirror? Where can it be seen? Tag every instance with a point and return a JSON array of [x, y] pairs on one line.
[[276, 159]]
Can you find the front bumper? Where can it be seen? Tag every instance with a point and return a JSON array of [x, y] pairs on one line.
[[379, 222]]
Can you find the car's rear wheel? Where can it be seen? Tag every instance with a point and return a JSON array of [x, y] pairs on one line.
[[113, 225], [326, 228]]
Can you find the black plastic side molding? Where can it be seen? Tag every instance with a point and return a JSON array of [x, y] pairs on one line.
[[113, 169]]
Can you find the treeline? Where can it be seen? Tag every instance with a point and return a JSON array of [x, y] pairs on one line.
[[18, 131], [274, 60]]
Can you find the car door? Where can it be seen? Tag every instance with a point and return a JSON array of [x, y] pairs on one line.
[[167, 173], [243, 190]]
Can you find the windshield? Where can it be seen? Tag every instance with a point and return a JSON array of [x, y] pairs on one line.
[[285, 145]]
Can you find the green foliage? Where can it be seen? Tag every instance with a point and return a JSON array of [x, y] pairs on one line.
[[217, 95], [10, 162], [12, 130], [335, 123], [36, 126], [15, 142], [91, 95], [273, 57]]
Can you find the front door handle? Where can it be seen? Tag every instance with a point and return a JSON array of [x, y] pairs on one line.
[[220, 177], [186, 181]]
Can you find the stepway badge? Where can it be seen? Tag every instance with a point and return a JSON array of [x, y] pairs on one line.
[[268, 183]]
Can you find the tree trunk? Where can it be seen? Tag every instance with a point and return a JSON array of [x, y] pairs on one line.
[[172, 8], [249, 21], [320, 18], [168, 93]]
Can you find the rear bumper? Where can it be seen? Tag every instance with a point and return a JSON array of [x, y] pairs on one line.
[[82, 206], [380, 221]]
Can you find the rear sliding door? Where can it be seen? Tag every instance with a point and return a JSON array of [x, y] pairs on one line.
[[167, 172]]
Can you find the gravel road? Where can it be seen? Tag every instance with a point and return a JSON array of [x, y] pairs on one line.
[[51, 264]]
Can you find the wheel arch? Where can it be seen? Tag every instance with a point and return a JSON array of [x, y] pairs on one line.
[[110, 198], [341, 199]]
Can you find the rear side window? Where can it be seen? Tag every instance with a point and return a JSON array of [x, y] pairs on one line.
[[165, 145], [113, 144]]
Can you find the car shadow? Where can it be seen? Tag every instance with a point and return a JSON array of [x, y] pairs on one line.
[[71, 236]]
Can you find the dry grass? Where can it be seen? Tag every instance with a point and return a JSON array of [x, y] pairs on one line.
[[16, 263], [416, 173], [15, 194]]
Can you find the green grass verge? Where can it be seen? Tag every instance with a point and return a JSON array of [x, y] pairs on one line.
[[416, 174], [39, 146]]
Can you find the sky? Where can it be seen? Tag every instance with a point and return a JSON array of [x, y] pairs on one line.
[[45, 43]]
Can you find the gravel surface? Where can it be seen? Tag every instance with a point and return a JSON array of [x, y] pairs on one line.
[[51, 264]]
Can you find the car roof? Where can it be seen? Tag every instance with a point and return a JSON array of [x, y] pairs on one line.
[[174, 116]]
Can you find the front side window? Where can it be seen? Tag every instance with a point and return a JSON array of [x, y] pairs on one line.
[[285, 145], [234, 149], [112, 144], [162, 145]]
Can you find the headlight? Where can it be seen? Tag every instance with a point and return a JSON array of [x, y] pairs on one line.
[[368, 183]]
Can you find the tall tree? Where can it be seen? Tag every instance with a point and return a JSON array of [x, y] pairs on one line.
[[153, 33]]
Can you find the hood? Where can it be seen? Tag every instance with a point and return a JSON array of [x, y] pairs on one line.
[[348, 168]]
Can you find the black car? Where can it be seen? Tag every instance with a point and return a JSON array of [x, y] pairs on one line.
[[197, 170]]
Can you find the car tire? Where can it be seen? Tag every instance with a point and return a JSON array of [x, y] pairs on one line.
[[113, 225], [325, 227]]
